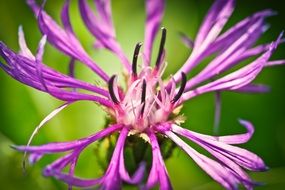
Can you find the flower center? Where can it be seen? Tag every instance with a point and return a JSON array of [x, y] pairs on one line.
[[146, 101]]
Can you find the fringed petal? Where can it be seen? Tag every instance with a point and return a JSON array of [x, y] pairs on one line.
[[240, 156], [254, 88], [64, 39], [24, 50], [218, 109], [102, 28], [219, 173], [186, 40], [237, 79], [276, 62], [211, 27], [137, 176], [224, 41], [158, 173], [34, 73], [213, 23], [154, 15], [112, 178], [227, 59], [235, 32], [56, 147]]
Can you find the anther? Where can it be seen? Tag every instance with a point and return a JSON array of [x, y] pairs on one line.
[[181, 89], [135, 59], [111, 89], [161, 47], [143, 91], [143, 96]]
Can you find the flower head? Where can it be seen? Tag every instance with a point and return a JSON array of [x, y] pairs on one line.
[[149, 107]]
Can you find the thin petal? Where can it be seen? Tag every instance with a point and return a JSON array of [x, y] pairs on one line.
[[24, 50], [211, 167], [158, 172], [218, 109], [62, 39], [112, 178], [66, 146], [208, 32], [228, 38], [240, 156], [42, 123], [41, 77], [274, 63], [221, 9], [154, 15], [237, 79], [137, 176], [102, 30], [186, 40], [227, 58], [253, 88]]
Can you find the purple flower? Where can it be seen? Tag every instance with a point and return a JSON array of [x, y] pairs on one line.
[[149, 107]]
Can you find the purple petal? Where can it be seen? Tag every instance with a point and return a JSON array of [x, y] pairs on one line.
[[277, 62], [102, 28], [72, 170], [65, 19], [64, 40], [75, 181], [240, 156], [154, 16], [66, 146], [216, 17], [218, 107], [112, 178], [55, 168], [228, 38], [234, 33], [104, 11], [253, 88], [237, 79], [137, 176], [241, 138], [186, 40], [236, 170], [227, 59], [33, 158], [41, 77], [71, 67], [158, 172], [210, 29], [219, 173]]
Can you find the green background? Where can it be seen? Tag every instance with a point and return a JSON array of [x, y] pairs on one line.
[[22, 108]]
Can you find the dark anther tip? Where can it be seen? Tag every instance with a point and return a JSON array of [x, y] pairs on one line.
[[135, 58], [143, 91], [143, 96], [161, 46], [111, 89], [181, 89]]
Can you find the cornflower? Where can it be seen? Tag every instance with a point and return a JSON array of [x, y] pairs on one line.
[[149, 107]]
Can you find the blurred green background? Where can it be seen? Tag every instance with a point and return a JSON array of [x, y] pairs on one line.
[[22, 108]]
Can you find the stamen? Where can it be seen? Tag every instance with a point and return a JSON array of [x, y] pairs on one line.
[[181, 89], [111, 89], [135, 59], [161, 47], [143, 96]]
